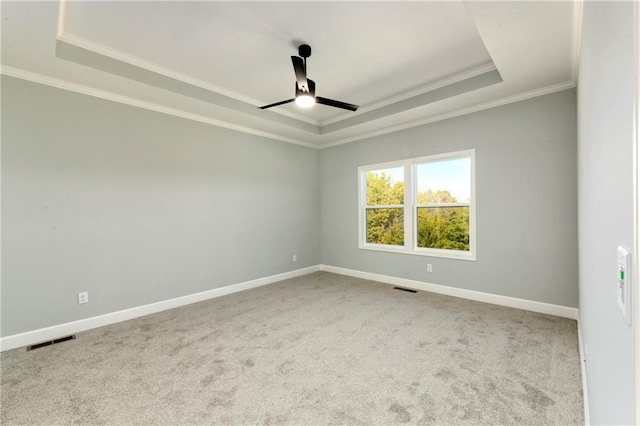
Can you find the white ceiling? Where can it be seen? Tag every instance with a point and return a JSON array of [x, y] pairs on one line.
[[405, 63]]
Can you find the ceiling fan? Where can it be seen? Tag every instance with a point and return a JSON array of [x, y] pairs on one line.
[[306, 88]]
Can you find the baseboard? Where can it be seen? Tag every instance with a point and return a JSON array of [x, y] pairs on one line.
[[512, 302], [49, 333], [583, 372]]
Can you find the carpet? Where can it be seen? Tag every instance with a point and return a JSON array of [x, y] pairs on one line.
[[317, 349]]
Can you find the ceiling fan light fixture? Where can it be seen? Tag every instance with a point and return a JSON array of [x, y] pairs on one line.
[[305, 87], [305, 100]]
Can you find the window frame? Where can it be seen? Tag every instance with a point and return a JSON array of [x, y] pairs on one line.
[[363, 207], [411, 206]]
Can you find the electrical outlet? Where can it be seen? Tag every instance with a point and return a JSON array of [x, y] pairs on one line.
[[295, 257], [83, 298], [429, 267]]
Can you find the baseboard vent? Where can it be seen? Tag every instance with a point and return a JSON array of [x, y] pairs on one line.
[[405, 289], [51, 342]]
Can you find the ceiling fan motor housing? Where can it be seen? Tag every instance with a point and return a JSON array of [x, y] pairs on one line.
[[304, 50]]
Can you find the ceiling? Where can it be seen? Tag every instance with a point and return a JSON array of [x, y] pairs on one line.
[[404, 63]]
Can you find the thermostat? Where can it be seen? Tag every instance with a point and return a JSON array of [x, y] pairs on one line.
[[624, 283]]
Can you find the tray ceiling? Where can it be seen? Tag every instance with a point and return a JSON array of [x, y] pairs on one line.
[[405, 63]]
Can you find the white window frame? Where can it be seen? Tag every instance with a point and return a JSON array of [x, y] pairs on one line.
[[410, 207]]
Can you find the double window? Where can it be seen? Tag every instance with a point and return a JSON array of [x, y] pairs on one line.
[[423, 206]]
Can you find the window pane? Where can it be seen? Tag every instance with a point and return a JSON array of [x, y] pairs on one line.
[[385, 187], [444, 181], [385, 226], [443, 228]]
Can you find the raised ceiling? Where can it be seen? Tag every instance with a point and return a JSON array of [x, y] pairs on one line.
[[405, 63]]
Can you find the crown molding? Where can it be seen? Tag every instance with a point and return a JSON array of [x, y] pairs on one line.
[[455, 113], [576, 39], [465, 75], [62, 17], [103, 94], [122, 57], [64, 36], [136, 61]]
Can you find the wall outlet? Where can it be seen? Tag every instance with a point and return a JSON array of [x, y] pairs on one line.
[[295, 257], [83, 297], [429, 267]]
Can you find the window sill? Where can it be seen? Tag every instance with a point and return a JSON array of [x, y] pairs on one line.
[[446, 254]]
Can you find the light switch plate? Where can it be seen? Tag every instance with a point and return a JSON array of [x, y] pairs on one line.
[[623, 283]]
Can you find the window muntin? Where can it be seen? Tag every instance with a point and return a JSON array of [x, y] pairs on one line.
[[431, 210]]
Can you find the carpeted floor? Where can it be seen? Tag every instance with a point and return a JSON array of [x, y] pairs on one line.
[[319, 349]]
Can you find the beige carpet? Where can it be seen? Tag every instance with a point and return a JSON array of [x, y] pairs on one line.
[[319, 349]]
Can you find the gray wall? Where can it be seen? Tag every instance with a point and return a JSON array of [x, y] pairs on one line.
[[605, 147], [526, 200], [137, 207]]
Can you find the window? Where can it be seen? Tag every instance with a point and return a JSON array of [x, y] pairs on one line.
[[423, 206], [384, 209]]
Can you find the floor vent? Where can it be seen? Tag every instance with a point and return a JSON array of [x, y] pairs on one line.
[[405, 289], [51, 342]]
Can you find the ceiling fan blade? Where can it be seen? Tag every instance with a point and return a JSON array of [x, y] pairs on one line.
[[277, 103], [337, 104], [301, 73]]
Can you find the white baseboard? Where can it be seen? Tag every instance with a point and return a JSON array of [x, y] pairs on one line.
[[49, 333], [583, 372], [512, 302], [53, 332]]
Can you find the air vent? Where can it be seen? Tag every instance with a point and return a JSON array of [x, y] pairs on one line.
[[405, 289], [51, 342]]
